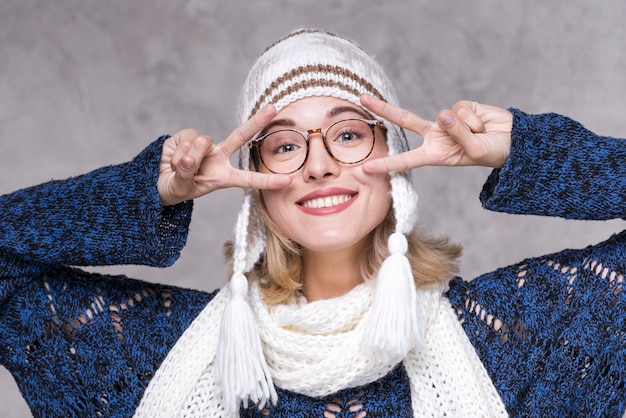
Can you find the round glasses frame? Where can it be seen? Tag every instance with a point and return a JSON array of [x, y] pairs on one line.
[[255, 144]]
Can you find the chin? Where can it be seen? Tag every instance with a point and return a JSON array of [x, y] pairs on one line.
[[330, 244]]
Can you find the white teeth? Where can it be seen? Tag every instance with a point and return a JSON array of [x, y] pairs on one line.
[[326, 202]]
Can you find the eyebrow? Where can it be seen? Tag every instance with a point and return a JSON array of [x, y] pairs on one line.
[[276, 122], [342, 109], [334, 112]]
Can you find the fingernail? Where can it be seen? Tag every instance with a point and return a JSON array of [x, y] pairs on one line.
[[446, 119], [186, 165]]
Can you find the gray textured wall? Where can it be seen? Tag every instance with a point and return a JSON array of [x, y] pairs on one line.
[[86, 83]]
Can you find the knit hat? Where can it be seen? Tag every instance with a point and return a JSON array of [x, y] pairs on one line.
[[303, 64]]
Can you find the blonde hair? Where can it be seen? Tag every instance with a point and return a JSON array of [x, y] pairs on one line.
[[278, 270]]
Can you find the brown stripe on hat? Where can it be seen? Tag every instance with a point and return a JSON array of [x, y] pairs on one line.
[[320, 82]]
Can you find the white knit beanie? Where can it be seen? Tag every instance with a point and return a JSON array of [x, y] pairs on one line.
[[309, 63]]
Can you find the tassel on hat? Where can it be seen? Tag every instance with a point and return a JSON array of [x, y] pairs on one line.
[[240, 367], [395, 325], [241, 371]]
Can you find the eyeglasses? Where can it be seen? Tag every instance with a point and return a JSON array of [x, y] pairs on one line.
[[348, 141]]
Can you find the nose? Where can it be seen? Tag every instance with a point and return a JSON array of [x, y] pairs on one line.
[[320, 164]]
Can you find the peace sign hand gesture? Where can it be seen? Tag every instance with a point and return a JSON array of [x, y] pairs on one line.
[[469, 134], [192, 165]]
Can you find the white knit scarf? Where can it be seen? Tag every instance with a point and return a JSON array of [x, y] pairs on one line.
[[314, 349]]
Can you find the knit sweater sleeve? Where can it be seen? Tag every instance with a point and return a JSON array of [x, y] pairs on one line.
[[112, 215], [82, 344], [559, 168], [550, 330]]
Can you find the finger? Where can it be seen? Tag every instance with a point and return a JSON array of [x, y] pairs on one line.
[[180, 143], [187, 164], [400, 162], [244, 132], [199, 148], [460, 133], [190, 152], [395, 114], [466, 111], [253, 180]]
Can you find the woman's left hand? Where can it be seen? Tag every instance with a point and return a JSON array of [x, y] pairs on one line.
[[468, 134]]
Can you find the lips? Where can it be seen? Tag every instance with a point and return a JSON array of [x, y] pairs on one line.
[[326, 201]]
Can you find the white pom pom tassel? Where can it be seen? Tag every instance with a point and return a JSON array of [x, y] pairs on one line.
[[240, 368], [395, 325]]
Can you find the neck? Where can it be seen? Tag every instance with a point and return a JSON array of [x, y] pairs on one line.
[[331, 274]]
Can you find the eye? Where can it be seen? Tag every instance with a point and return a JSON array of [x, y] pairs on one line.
[[282, 144], [285, 148], [346, 137], [350, 133]]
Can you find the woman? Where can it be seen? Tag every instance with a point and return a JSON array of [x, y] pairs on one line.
[[319, 317]]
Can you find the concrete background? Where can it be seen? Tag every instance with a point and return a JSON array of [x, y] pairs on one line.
[[84, 83]]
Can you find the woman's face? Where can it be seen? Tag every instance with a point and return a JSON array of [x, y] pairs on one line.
[[328, 206]]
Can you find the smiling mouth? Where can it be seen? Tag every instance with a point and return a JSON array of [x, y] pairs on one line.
[[326, 202]]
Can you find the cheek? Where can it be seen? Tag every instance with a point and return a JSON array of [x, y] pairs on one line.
[[277, 208], [380, 147], [271, 199], [377, 199], [381, 198]]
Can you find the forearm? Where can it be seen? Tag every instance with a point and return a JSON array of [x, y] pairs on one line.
[[559, 168], [112, 215]]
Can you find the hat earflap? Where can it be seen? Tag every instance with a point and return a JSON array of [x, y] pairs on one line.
[[241, 371]]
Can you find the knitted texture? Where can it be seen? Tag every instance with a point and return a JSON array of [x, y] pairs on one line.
[[446, 377], [181, 378], [572, 174], [555, 324], [389, 396], [81, 344], [32, 244], [550, 331]]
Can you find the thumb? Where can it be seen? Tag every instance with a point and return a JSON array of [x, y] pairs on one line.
[[459, 132], [186, 166], [178, 184]]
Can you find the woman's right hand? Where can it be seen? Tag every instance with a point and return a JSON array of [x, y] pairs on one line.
[[193, 165]]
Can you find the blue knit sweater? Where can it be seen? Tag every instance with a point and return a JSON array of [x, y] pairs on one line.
[[551, 331]]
